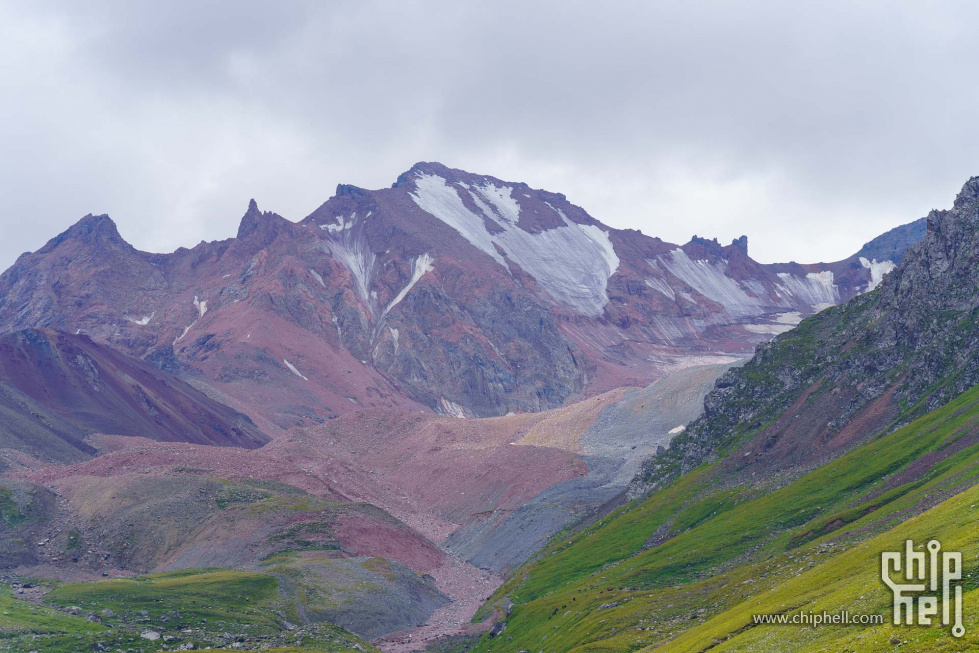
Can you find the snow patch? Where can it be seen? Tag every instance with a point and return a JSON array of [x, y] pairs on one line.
[[394, 337], [294, 370], [792, 317], [815, 289], [342, 223], [143, 321], [317, 276], [770, 329], [181, 336], [350, 246], [502, 200], [201, 307], [711, 281], [420, 266], [447, 407], [572, 262], [877, 271], [779, 323], [677, 430], [658, 284]]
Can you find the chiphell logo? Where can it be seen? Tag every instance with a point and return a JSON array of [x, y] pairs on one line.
[[931, 569]]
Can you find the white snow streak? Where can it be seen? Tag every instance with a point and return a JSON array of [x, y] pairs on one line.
[[350, 246], [816, 289], [421, 265], [181, 336], [660, 286], [770, 329], [877, 271], [502, 200], [677, 430], [394, 337], [573, 263], [451, 408], [343, 224], [317, 276], [294, 370], [780, 323], [711, 281], [143, 321], [201, 307]]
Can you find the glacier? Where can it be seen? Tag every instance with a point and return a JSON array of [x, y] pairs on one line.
[[711, 281], [572, 263], [816, 289]]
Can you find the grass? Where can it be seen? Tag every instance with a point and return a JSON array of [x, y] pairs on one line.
[[604, 590], [10, 512], [239, 599], [209, 608]]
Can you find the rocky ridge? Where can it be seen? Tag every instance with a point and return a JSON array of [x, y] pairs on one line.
[[453, 291], [853, 371]]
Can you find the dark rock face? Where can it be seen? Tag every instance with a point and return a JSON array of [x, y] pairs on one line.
[[56, 389], [454, 291], [890, 246], [852, 371]]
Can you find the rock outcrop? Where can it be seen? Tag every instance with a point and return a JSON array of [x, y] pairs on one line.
[[851, 372]]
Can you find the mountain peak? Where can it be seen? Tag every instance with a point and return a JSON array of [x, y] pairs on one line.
[[267, 223], [424, 167], [91, 230], [969, 193], [95, 226]]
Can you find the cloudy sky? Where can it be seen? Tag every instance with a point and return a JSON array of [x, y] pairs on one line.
[[809, 127]]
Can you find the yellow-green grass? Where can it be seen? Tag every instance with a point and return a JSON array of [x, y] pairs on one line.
[[21, 617], [728, 546], [241, 598], [851, 581], [209, 608]]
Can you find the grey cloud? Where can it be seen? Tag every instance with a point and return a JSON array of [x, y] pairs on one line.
[[810, 128]]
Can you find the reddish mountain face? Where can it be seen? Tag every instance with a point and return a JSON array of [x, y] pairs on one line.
[[452, 291], [56, 389]]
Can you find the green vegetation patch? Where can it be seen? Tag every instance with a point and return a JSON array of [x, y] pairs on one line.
[[691, 552], [220, 609]]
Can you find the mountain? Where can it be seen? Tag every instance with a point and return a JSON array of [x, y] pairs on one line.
[[840, 439], [856, 370], [448, 291], [588, 348], [56, 389]]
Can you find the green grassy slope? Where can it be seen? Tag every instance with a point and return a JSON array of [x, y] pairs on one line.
[[205, 607], [623, 585]]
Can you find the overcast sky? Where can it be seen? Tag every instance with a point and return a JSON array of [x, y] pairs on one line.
[[810, 127]]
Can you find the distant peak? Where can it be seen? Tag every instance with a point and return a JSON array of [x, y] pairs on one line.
[[91, 229], [348, 190], [266, 223], [969, 194], [97, 224], [427, 168]]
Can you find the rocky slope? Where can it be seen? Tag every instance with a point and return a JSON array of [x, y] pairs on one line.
[[852, 371], [56, 389], [458, 292], [845, 437]]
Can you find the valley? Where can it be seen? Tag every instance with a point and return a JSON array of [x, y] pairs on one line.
[[459, 407]]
